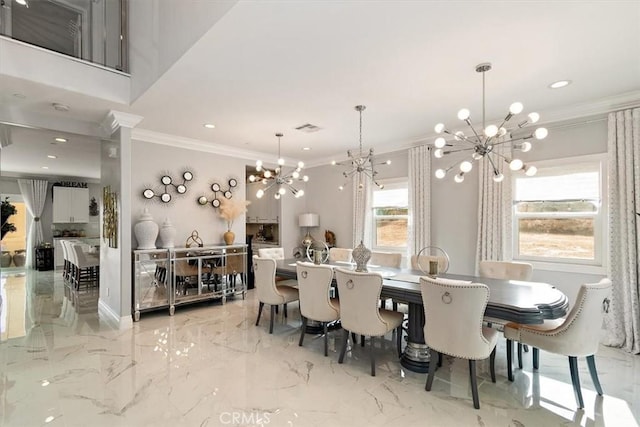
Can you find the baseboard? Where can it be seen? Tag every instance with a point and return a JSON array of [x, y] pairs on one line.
[[107, 314]]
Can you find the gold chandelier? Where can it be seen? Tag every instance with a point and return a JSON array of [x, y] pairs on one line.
[[482, 144]]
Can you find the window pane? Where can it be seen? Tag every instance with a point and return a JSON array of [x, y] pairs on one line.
[[557, 238], [391, 210], [564, 186], [393, 197], [391, 232], [549, 206]]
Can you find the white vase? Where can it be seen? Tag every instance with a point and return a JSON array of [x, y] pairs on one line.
[[146, 231], [167, 234]]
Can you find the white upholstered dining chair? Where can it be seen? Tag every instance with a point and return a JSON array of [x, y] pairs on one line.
[[314, 282], [340, 254], [453, 325], [359, 312], [273, 253], [507, 270], [575, 337], [268, 291]]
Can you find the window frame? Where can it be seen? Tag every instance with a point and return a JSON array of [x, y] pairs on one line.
[[400, 182], [598, 264]]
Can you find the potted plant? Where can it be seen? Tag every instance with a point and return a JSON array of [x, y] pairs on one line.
[[230, 210], [7, 210]]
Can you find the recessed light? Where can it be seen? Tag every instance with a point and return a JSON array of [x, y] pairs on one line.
[[51, 156], [306, 148], [45, 167], [559, 84], [209, 125], [59, 139]]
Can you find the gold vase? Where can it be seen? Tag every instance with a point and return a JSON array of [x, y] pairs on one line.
[[228, 237]]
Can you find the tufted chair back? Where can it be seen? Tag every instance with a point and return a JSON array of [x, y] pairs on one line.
[[265, 281], [273, 253], [454, 311], [508, 270], [386, 259], [359, 294], [340, 254], [314, 282]]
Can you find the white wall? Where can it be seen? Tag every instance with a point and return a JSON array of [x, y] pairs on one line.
[[183, 210]]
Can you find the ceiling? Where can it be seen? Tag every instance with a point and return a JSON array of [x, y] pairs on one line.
[[271, 66]]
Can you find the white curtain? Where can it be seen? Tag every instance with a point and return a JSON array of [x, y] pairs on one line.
[[419, 198], [34, 193], [623, 319], [362, 215], [494, 211]]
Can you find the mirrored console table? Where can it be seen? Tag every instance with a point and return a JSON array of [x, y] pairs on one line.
[[164, 278]]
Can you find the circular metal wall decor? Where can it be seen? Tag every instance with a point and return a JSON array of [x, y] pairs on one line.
[[216, 187], [167, 181]]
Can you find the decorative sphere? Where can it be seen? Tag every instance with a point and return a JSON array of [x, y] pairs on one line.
[[491, 130], [466, 166], [541, 133], [439, 128], [463, 114], [531, 170], [498, 178], [526, 146], [533, 117], [440, 173], [440, 142], [459, 178], [438, 153], [516, 108], [260, 193]]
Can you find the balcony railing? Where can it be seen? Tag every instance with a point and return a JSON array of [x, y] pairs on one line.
[[91, 30]]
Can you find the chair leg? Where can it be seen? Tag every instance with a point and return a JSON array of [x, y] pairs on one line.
[[575, 380], [285, 310], [354, 338], [399, 340], [343, 350], [259, 313], [439, 360], [273, 315], [519, 355], [303, 329], [372, 356], [591, 362], [326, 339], [525, 348], [394, 305], [432, 370], [536, 358], [474, 384], [361, 340], [509, 360], [492, 365]]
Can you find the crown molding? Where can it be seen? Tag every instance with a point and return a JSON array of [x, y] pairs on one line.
[[198, 145], [118, 119]]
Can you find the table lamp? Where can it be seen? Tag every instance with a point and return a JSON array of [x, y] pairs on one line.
[[308, 220]]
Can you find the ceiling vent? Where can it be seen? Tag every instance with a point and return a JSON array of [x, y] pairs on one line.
[[308, 128]]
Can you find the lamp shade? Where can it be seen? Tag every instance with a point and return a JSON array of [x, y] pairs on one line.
[[308, 220]]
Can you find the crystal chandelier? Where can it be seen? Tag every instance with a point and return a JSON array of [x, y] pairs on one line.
[[277, 178], [483, 144], [361, 165]]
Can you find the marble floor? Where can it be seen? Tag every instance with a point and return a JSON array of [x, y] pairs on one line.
[[208, 365]]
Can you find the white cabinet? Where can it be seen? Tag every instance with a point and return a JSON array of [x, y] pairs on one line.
[[265, 210], [70, 204]]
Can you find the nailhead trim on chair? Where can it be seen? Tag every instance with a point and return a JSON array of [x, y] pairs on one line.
[[480, 321]]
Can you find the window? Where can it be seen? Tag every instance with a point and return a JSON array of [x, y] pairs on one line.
[[559, 214], [391, 215]]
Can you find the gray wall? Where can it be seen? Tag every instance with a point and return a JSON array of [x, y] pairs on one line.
[[183, 211]]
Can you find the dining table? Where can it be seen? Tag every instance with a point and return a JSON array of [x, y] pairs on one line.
[[518, 301]]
